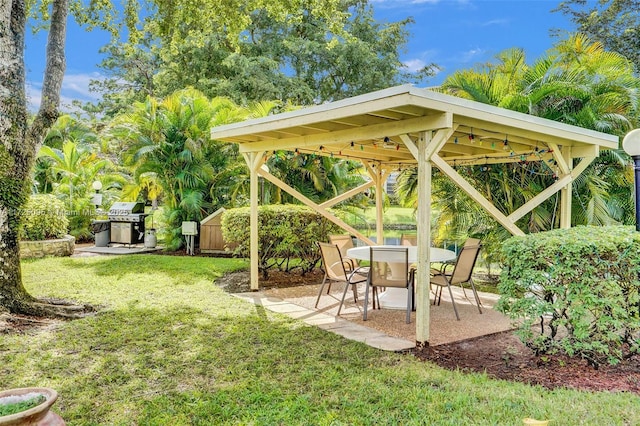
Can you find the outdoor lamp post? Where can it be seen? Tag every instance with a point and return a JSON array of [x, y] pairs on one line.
[[97, 197], [631, 145]]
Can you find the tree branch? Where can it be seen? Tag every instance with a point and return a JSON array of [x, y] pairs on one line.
[[53, 75]]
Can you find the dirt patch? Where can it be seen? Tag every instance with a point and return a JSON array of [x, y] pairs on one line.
[[23, 324], [500, 355], [504, 356], [239, 282]]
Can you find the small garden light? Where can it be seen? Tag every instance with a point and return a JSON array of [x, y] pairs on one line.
[[631, 145], [96, 199]]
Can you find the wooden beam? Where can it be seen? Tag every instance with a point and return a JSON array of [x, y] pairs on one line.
[[332, 202], [367, 152], [585, 151], [561, 184], [559, 156], [410, 144], [540, 198], [494, 159], [437, 141], [475, 195], [324, 212], [374, 131]]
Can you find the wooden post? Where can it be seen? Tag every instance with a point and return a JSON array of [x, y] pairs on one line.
[[379, 176], [423, 320], [566, 192], [254, 161]]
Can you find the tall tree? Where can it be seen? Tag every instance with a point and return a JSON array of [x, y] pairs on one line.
[[614, 23], [21, 138], [307, 59]]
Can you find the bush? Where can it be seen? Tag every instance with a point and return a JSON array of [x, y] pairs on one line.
[[44, 218], [581, 285], [286, 232]]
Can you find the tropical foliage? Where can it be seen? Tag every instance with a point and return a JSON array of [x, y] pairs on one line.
[[577, 82], [68, 164], [614, 23], [167, 145], [45, 218]]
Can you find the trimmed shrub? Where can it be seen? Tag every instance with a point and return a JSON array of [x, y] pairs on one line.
[[286, 232], [575, 290], [44, 218]]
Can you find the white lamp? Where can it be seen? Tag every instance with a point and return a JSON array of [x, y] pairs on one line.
[[96, 199], [631, 145]]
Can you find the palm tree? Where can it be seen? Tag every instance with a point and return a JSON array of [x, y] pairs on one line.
[[169, 141], [73, 169], [576, 82]]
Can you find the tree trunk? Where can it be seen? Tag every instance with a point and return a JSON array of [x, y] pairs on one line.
[[20, 142]]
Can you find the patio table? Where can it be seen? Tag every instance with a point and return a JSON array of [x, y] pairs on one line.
[[396, 298]]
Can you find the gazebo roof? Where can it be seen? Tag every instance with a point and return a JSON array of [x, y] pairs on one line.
[[369, 127]]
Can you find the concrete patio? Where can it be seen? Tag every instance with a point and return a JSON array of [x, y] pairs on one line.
[[385, 328]]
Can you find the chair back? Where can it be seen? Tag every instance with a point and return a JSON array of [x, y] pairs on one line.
[[343, 241], [408, 240], [466, 261], [389, 267], [332, 260]]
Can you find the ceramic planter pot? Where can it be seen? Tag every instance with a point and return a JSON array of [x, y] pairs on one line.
[[40, 415]]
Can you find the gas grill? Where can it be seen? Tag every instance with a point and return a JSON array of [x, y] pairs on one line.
[[127, 223]]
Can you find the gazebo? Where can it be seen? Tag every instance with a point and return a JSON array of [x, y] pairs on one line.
[[408, 126]]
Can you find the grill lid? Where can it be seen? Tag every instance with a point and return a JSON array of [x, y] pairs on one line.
[[123, 208]]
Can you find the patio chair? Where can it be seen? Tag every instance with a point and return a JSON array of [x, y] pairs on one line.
[[389, 267], [344, 243], [335, 270], [462, 270]]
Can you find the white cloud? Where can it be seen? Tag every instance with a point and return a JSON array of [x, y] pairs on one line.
[[471, 55], [74, 87], [414, 65], [498, 22], [78, 85]]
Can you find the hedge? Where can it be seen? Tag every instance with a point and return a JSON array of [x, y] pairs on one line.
[[575, 290], [44, 217], [286, 233]]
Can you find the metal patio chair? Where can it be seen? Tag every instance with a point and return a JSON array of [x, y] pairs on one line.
[[383, 274], [336, 270], [344, 243], [461, 274]]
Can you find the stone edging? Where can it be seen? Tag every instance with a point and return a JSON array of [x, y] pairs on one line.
[[58, 247]]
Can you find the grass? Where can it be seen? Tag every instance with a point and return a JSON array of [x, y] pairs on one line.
[[393, 215], [170, 348]]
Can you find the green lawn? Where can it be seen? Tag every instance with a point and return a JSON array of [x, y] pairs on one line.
[[170, 348], [393, 215]]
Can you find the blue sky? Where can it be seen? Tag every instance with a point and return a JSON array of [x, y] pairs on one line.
[[455, 34]]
